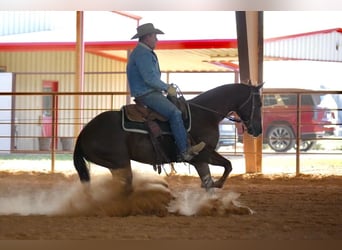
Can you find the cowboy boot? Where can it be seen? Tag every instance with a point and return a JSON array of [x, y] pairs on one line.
[[193, 151]]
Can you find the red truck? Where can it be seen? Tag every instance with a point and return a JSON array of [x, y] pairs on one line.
[[281, 114]]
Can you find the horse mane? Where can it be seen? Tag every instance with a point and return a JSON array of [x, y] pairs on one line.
[[226, 91]]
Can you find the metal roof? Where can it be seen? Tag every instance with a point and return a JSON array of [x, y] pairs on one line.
[[324, 45], [174, 56], [212, 54]]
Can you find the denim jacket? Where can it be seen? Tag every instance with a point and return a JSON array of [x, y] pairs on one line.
[[143, 72]]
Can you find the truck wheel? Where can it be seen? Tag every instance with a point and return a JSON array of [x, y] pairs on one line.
[[305, 145], [280, 138]]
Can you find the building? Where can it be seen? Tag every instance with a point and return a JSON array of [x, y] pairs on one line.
[[49, 67]]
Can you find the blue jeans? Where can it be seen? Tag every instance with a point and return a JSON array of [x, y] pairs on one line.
[[159, 103]]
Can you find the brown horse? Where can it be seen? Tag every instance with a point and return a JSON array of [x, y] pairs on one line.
[[104, 142]]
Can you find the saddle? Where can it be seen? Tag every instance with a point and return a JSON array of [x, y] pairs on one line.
[[135, 117], [139, 113], [140, 119]]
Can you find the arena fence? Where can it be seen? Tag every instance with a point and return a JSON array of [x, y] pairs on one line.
[[49, 127]]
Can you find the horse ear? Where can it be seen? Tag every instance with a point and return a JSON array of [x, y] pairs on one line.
[[260, 85]]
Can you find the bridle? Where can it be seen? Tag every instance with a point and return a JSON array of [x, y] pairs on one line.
[[229, 115], [251, 96]]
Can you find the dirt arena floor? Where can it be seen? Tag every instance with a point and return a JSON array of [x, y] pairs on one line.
[[36, 205]]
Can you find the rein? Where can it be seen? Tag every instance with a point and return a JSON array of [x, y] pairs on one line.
[[229, 117], [233, 119]]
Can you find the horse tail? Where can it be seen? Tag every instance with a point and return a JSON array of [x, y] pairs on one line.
[[80, 164]]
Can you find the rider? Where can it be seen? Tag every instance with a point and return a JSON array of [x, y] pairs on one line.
[[143, 74]]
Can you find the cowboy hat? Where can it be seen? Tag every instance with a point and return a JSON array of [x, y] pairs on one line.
[[145, 29]]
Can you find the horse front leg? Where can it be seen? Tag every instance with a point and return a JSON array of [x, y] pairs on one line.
[[205, 175], [218, 160]]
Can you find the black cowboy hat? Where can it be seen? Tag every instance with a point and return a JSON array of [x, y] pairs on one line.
[[145, 29]]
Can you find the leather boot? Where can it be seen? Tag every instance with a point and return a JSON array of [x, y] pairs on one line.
[[193, 151]]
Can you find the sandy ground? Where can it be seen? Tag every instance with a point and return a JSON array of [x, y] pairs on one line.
[[37, 205]]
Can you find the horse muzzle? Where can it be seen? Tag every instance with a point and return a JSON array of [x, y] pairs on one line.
[[254, 131]]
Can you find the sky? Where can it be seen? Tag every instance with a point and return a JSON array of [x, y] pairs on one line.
[[221, 24], [106, 26], [279, 23]]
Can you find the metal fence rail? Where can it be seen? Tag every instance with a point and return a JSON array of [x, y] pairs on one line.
[[21, 129]]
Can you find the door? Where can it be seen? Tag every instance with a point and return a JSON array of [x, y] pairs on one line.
[[50, 110], [6, 113]]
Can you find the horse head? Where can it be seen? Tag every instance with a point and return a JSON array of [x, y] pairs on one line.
[[250, 111]]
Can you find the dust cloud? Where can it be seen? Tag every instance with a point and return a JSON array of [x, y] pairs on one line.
[[104, 197], [216, 202]]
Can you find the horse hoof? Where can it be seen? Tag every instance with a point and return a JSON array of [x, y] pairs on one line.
[[208, 187], [218, 184]]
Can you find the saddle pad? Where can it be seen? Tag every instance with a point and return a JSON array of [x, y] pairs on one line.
[[140, 127]]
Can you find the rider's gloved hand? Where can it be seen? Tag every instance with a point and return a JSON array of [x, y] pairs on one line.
[[171, 90]]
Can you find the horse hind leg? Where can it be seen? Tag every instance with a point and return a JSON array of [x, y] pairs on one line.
[[122, 179]]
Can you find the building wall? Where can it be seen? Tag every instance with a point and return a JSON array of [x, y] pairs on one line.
[[32, 68]]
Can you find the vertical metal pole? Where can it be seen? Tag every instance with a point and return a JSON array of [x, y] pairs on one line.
[[260, 48], [236, 76], [128, 97], [250, 50], [54, 132], [298, 131], [167, 77], [79, 74], [241, 28]]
